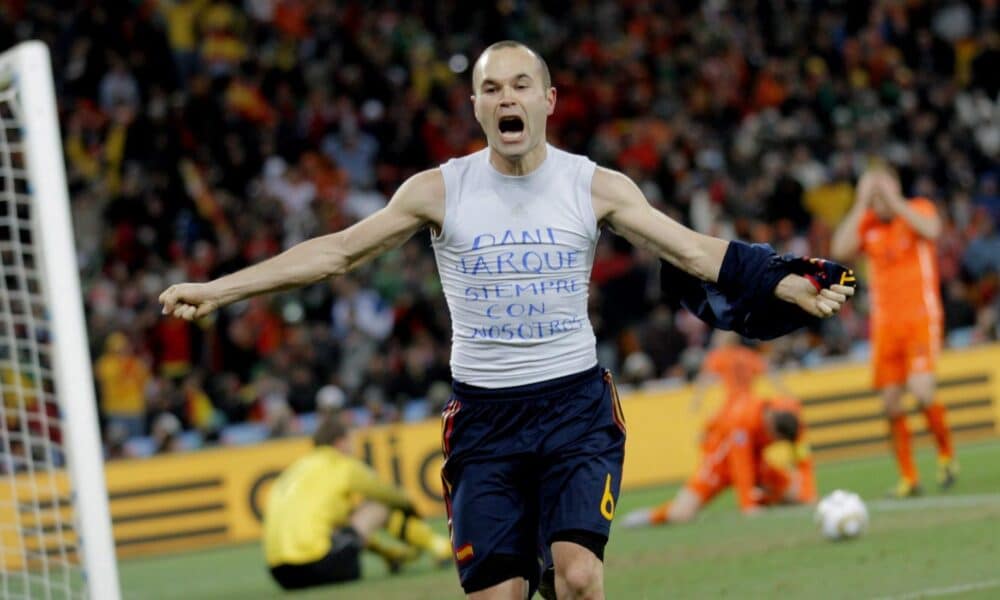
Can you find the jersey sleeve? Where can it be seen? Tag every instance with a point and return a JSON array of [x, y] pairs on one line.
[[363, 480]]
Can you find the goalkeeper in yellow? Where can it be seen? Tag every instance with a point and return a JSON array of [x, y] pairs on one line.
[[328, 506]]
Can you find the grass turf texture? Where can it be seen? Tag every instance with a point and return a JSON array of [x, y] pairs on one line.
[[942, 543]]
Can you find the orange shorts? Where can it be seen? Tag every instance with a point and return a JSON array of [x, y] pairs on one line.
[[903, 349]]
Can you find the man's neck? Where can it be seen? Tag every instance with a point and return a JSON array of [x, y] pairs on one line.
[[519, 165]]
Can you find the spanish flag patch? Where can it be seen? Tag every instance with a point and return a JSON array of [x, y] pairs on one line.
[[464, 553]]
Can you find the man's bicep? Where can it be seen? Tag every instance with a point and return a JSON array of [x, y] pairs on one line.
[[619, 203], [417, 204], [382, 231]]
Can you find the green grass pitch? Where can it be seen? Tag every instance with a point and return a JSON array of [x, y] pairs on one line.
[[943, 544]]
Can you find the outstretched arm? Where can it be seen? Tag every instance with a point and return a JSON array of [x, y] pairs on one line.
[[419, 202], [619, 203]]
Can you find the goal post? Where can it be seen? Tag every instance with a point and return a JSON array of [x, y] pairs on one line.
[[55, 532]]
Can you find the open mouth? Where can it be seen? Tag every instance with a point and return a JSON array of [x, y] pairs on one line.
[[511, 128]]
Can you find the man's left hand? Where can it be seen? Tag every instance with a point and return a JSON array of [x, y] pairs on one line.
[[824, 302], [818, 286]]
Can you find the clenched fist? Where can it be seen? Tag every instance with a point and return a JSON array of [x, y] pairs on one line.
[[189, 301]]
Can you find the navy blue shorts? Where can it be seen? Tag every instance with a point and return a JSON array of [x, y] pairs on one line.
[[526, 465]]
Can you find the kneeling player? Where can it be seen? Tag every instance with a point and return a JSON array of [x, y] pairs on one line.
[[733, 454], [315, 529]]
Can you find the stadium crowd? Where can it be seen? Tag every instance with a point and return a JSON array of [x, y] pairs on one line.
[[204, 135]]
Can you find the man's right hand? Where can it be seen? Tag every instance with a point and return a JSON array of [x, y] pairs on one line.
[[189, 301], [867, 186]]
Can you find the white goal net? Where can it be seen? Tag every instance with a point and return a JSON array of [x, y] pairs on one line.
[[55, 531]]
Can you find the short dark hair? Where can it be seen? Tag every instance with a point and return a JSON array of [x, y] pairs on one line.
[[546, 76], [330, 430], [786, 425]]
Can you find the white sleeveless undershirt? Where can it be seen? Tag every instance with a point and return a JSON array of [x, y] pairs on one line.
[[515, 255]]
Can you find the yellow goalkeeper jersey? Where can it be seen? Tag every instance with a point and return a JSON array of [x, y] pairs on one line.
[[312, 498]]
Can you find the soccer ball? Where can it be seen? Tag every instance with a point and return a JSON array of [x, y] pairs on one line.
[[841, 515]]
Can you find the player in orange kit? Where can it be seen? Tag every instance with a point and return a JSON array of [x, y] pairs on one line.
[[738, 367], [733, 454], [897, 235]]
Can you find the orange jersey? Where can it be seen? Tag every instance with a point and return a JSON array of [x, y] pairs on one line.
[[737, 367], [903, 275], [906, 300], [735, 456], [776, 481]]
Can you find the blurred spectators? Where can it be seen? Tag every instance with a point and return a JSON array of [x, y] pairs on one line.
[[122, 379], [165, 431], [203, 135]]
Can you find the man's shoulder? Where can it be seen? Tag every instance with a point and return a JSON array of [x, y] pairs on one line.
[[328, 456], [611, 184], [559, 153], [421, 188], [428, 179], [463, 162], [923, 205]]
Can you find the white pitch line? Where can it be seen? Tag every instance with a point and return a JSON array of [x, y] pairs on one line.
[[903, 504], [946, 591], [935, 502]]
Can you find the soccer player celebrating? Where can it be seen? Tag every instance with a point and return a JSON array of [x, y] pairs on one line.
[[315, 530], [533, 437], [897, 235], [733, 455]]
